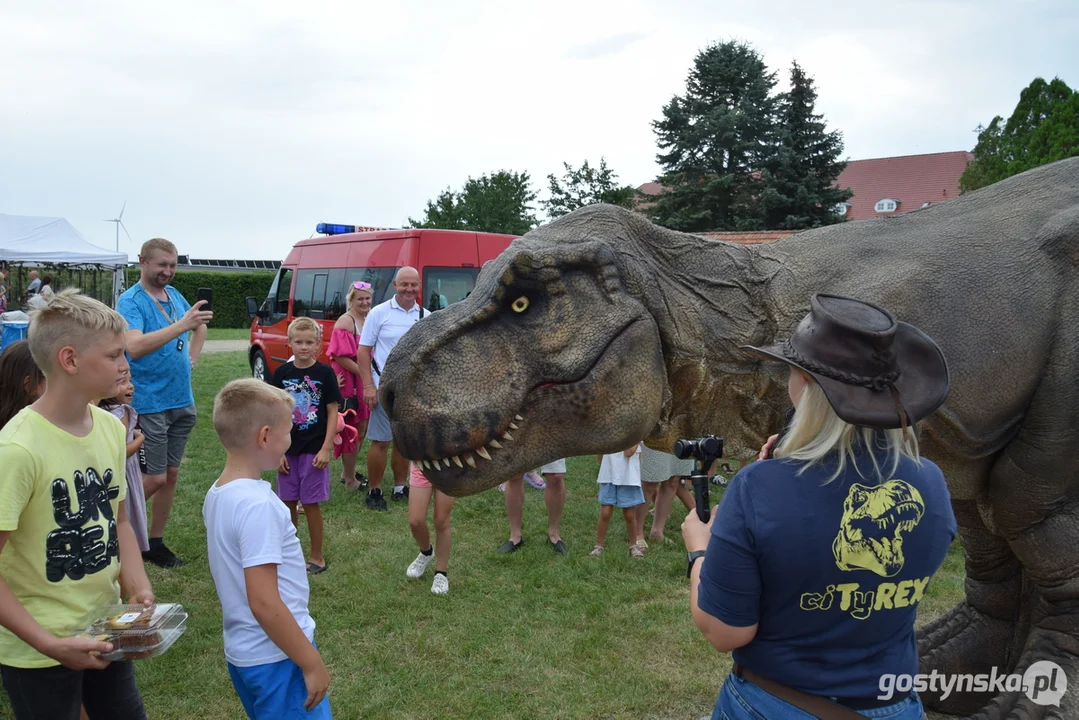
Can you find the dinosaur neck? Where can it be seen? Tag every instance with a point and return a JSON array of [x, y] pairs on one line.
[[716, 297]]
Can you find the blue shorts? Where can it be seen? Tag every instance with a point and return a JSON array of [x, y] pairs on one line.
[[623, 496], [275, 690]]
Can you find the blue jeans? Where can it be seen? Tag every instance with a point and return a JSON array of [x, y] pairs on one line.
[[742, 700]]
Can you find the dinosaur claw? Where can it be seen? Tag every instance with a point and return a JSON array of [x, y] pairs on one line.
[[482, 452]]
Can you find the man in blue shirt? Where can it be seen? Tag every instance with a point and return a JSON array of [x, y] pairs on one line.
[[165, 336]]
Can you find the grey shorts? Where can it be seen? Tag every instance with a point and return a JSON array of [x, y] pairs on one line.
[[558, 466], [166, 437], [378, 425]]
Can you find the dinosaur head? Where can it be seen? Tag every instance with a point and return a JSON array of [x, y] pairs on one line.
[[874, 520], [548, 357]]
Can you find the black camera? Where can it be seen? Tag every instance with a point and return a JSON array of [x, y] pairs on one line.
[[705, 449]]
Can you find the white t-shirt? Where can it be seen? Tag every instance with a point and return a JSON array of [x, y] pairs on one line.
[[617, 469], [385, 325], [248, 525]]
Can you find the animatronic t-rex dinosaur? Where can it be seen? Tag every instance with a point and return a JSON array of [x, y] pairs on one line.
[[601, 329]]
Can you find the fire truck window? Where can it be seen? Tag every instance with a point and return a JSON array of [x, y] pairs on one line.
[[443, 286]]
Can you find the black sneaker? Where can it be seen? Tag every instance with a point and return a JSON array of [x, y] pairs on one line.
[[162, 557], [376, 502], [400, 493]]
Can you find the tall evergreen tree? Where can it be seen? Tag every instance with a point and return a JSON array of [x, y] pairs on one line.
[[1043, 128], [716, 139], [800, 190]]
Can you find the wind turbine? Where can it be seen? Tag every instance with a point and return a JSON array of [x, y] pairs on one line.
[[120, 223]]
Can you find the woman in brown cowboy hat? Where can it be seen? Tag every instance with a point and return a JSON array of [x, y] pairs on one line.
[[812, 566]]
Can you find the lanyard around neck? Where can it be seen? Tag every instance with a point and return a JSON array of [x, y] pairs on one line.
[[168, 317]]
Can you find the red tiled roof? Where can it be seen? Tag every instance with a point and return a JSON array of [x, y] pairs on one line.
[[910, 179]]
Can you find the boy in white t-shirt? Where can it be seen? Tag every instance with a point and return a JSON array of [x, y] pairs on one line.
[[257, 562], [619, 486]]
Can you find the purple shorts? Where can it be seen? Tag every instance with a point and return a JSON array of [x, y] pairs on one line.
[[304, 482]]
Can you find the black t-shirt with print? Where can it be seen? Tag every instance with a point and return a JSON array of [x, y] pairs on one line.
[[312, 388]]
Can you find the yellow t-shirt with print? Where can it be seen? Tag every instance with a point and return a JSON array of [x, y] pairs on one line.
[[59, 497]]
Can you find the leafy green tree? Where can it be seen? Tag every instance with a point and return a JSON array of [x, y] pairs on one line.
[[497, 203], [715, 139], [1043, 128], [586, 186], [800, 178]]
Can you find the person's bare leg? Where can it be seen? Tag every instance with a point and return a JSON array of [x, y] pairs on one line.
[[291, 505], [376, 464], [630, 514], [605, 514], [515, 501], [650, 493], [152, 483], [554, 495], [400, 468], [418, 501], [313, 513], [163, 503], [443, 542], [664, 504], [685, 496]]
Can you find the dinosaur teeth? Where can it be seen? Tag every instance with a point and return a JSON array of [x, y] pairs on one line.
[[437, 466], [470, 460], [518, 418], [482, 452], [512, 426], [457, 461], [495, 444], [506, 436], [426, 465]]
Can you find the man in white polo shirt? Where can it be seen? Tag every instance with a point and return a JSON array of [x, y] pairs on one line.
[[385, 325]]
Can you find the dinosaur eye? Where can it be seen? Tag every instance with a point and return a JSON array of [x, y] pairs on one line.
[[520, 304]]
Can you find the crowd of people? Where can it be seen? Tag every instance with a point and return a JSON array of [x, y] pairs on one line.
[[96, 407]]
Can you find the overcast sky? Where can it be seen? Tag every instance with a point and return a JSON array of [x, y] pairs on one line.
[[233, 132]]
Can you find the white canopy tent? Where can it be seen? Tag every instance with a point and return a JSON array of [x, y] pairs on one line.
[[29, 239]]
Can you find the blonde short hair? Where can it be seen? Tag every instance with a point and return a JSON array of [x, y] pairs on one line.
[[70, 319], [816, 432], [305, 323], [243, 406], [152, 244]]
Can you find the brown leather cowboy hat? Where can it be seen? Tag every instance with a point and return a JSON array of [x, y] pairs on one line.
[[874, 370]]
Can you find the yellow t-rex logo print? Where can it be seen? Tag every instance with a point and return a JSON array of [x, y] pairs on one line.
[[874, 520]]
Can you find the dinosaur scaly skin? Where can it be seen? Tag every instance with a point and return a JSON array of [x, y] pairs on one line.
[[602, 329]]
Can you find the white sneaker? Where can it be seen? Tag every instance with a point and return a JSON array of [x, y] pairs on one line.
[[441, 584], [419, 565]]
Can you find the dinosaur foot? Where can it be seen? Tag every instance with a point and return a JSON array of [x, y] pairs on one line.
[[1045, 684], [964, 641]]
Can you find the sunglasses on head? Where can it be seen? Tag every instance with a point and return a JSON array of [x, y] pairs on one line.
[[361, 285]]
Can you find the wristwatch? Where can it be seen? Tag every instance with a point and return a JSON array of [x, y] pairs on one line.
[[695, 555]]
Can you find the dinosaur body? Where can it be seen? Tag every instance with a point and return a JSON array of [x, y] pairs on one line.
[[601, 329]]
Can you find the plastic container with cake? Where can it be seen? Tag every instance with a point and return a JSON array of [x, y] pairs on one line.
[[136, 632]]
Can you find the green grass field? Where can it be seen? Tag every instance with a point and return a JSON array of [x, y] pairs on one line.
[[525, 635], [228, 333]]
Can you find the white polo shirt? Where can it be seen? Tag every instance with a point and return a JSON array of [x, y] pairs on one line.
[[385, 325]]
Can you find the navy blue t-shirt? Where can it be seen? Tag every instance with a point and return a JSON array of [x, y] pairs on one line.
[[832, 574]]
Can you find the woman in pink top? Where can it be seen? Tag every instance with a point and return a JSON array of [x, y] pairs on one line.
[[344, 345]]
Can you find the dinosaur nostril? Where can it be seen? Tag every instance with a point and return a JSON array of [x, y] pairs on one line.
[[389, 403]]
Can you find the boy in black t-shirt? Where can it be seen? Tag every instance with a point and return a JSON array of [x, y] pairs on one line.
[[304, 472]]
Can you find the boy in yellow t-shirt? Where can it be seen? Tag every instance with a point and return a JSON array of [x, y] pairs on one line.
[[66, 546]]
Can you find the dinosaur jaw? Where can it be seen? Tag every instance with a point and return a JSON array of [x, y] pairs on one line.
[[606, 408]]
